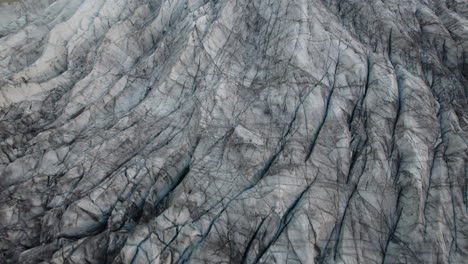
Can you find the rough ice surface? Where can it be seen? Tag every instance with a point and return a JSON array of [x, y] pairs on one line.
[[234, 131]]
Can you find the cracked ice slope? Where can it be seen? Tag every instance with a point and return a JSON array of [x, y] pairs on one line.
[[196, 131]]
